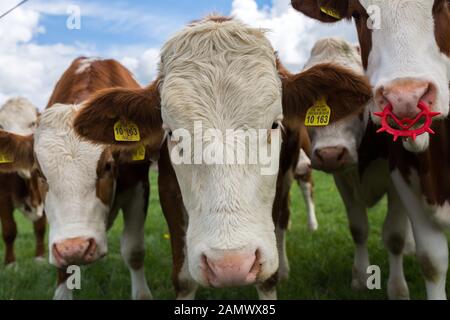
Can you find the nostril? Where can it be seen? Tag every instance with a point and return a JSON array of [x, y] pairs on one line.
[[341, 153], [318, 155]]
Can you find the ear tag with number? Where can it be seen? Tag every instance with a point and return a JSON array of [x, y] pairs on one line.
[[319, 114], [126, 132], [139, 154], [6, 158], [331, 12]]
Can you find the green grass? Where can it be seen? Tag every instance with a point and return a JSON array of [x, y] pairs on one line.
[[320, 262]]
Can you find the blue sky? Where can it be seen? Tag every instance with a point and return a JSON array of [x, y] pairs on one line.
[[167, 16]]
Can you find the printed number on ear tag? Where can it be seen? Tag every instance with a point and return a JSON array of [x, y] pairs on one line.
[[5, 158], [318, 115], [139, 154], [331, 12], [126, 132]]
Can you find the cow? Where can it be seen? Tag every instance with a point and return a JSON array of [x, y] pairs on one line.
[[357, 157], [218, 75], [87, 184], [22, 189], [405, 51]]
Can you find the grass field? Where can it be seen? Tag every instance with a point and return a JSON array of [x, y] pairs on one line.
[[320, 262]]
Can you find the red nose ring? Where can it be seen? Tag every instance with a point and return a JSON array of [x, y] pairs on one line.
[[406, 123]]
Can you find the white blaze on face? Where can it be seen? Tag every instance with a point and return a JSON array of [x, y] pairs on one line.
[[348, 132], [405, 47], [224, 76], [69, 164]]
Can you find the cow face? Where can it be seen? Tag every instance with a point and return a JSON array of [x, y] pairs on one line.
[[335, 147], [79, 178], [405, 49], [220, 76], [19, 116]]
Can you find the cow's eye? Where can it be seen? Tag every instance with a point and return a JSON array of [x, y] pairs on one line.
[[275, 125], [1, 127], [108, 167], [32, 124]]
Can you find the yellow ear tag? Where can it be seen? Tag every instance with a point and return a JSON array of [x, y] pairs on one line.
[[126, 132], [139, 154], [331, 12], [319, 114], [6, 158]]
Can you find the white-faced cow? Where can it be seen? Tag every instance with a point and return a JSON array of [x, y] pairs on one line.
[[222, 75], [357, 157], [21, 190], [87, 183], [405, 48]]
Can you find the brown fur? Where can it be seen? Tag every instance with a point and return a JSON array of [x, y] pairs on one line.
[[347, 92], [141, 106], [21, 147]]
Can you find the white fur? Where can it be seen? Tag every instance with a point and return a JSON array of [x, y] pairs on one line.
[[406, 47], [225, 76], [431, 241], [69, 164], [18, 116]]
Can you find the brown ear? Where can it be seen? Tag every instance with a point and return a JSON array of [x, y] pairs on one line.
[[323, 10], [346, 92], [18, 150], [96, 120]]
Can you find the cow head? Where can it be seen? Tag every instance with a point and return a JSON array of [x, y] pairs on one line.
[[79, 177], [219, 76], [19, 116], [335, 147], [405, 50]]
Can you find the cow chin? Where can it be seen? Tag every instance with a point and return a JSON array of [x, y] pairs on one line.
[[419, 145], [251, 262]]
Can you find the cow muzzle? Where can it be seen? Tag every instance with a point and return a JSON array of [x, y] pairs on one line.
[[331, 159], [229, 268], [75, 251]]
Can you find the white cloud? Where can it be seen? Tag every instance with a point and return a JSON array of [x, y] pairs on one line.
[[292, 34]]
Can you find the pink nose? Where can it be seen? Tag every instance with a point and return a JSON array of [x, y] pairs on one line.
[[75, 251], [404, 95], [228, 269], [331, 159]]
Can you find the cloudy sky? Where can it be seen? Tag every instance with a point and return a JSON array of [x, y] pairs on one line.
[[36, 45]]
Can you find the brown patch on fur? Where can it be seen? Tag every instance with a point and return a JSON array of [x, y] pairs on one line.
[[395, 243], [136, 260], [74, 88], [428, 269], [441, 12], [9, 228], [173, 209], [106, 177], [346, 92], [96, 120], [20, 147]]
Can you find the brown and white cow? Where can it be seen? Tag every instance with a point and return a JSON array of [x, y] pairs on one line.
[[357, 157], [222, 75], [87, 183], [21, 190], [405, 48]]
